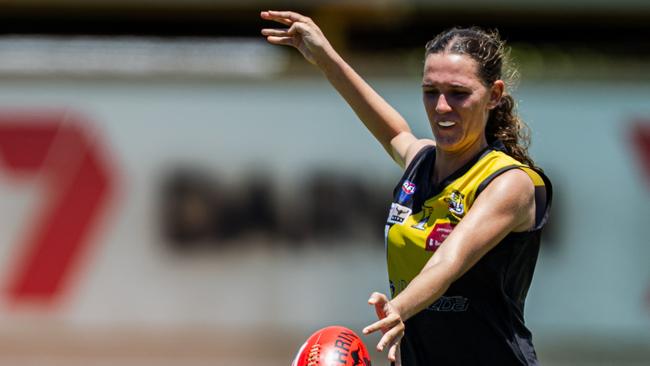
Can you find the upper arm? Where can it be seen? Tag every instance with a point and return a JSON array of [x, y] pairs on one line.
[[405, 146], [506, 205]]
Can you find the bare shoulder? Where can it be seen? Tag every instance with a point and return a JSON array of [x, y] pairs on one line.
[[512, 192], [404, 146], [414, 148], [513, 186]]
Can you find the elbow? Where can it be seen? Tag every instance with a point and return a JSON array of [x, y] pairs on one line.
[[398, 135]]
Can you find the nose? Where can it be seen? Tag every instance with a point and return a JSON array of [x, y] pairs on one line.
[[441, 105]]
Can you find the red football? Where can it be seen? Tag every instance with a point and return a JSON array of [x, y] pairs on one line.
[[333, 346]]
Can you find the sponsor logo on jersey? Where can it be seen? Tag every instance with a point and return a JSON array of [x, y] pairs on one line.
[[455, 203], [438, 234], [408, 188], [398, 213], [426, 214], [450, 304]]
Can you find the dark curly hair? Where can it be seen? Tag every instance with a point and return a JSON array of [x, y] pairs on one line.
[[491, 55]]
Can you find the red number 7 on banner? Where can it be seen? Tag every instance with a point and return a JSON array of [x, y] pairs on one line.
[[56, 148]]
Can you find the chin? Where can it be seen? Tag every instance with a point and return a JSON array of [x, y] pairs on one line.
[[447, 143]]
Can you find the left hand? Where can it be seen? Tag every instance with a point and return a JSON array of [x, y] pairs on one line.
[[390, 323], [302, 34]]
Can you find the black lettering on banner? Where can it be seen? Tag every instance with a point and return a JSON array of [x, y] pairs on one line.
[[199, 210]]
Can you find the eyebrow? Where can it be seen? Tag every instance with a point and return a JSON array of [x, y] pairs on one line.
[[455, 85]]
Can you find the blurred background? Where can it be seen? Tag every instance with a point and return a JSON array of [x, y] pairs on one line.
[[175, 191]]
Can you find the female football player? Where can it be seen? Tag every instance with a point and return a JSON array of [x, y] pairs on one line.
[[463, 230]]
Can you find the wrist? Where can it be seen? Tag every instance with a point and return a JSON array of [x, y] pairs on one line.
[[328, 59], [398, 307]]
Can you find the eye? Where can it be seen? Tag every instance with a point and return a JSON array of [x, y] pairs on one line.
[[460, 93], [430, 91]]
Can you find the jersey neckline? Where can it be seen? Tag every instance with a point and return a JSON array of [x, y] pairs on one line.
[[436, 189]]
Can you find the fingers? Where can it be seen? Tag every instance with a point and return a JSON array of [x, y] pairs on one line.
[[394, 354], [390, 338], [384, 324], [379, 300], [376, 298], [296, 28], [390, 323], [275, 32], [267, 16], [283, 41], [285, 36], [285, 15]]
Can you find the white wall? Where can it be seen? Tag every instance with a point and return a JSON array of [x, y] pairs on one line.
[[593, 278]]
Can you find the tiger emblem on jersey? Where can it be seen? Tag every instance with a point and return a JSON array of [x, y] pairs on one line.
[[456, 204]]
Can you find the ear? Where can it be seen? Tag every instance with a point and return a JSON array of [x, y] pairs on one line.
[[496, 92]]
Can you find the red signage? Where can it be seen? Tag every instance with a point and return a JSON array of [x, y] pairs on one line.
[[641, 140], [58, 149]]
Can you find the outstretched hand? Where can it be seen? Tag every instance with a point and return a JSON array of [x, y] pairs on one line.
[[303, 34], [390, 323]]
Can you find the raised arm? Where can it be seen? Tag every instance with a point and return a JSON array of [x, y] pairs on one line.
[[383, 121]]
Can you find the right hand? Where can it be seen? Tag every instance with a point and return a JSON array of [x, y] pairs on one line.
[[391, 325], [303, 34]]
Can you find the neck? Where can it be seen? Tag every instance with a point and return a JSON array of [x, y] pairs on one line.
[[447, 162]]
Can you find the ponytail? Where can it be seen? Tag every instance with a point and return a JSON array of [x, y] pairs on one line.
[[505, 125]]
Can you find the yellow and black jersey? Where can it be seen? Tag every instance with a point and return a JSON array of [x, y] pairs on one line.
[[479, 320]]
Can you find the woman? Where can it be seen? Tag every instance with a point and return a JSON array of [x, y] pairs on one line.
[[464, 228]]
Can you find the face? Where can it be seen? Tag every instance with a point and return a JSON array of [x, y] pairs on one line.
[[457, 102]]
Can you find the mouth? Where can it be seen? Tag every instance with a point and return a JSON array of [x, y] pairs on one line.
[[446, 123]]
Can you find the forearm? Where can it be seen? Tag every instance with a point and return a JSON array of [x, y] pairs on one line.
[[423, 290], [382, 120]]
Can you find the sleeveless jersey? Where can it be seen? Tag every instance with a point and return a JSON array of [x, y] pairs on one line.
[[479, 320]]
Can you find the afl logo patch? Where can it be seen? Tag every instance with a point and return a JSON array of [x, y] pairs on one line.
[[408, 187], [398, 213]]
